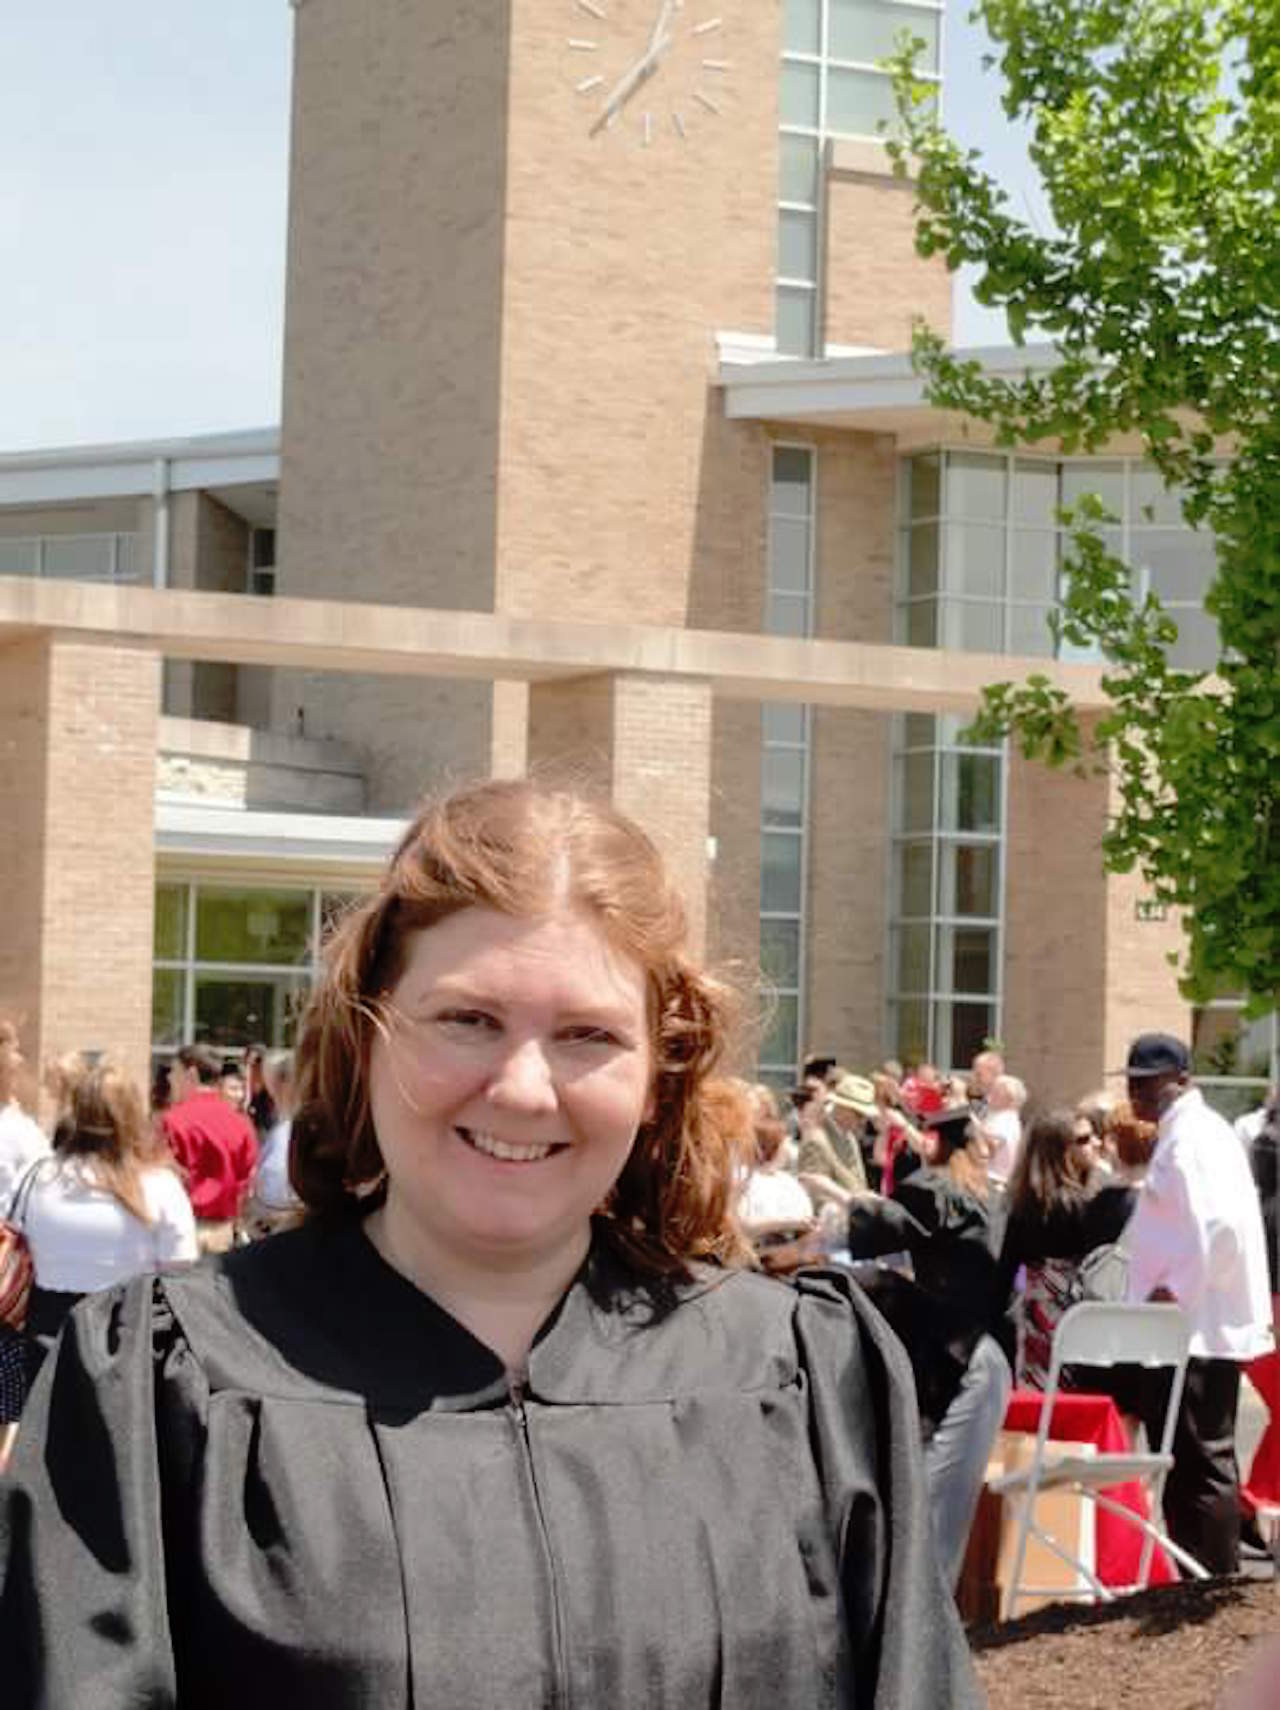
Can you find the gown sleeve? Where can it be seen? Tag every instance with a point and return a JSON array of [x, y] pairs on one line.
[[83, 1613], [904, 1629]]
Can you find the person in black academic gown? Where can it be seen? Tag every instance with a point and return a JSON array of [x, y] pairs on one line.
[[946, 1314], [508, 1421]]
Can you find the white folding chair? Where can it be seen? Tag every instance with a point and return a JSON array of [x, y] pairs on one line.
[[1098, 1333]]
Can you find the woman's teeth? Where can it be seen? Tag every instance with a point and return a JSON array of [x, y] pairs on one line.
[[503, 1149]]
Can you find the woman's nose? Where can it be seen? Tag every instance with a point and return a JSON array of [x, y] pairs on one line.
[[525, 1078]]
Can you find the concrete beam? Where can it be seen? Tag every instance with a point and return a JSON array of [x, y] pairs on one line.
[[333, 635]]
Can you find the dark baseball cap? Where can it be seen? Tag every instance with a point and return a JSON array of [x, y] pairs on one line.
[[1156, 1054]]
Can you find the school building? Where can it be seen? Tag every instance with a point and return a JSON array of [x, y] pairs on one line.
[[600, 454]]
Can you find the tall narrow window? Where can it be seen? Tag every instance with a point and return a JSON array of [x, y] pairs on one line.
[[833, 84], [784, 780], [946, 915]]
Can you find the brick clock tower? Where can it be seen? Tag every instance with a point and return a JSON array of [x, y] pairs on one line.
[[516, 228]]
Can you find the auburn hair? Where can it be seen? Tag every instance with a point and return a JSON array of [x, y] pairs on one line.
[[106, 1127], [525, 849]]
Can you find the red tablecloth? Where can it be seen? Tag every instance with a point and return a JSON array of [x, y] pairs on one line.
[[1262, 1487], [1081, 1418]]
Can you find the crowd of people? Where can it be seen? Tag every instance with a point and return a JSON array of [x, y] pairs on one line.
[[531, 1357], [117, 1189], [976, 1222]]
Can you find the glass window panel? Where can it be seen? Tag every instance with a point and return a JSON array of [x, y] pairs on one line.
[[915, 879], [925, 484], [788, 615], [797, 245], [166, 1007], [170, 941], [780, 951], [782, 1030], [80, 558], [792, 477], [779, 873], [781, 723], [917, 792], [802, 26], [795, 321], [976, 486], [253, 925], [971, 1026], [1035, 493], [782, 786], [1197, 647], [1033, 565], [1235, 1100], [1180, 562], [1106, 480], [911, 958], [868, 30], [966, 959], [1150, 501], [798, 103], [922, 560], [969, 879], [789, 554], [334, 905], [1223, 1042], [973, 627], [18, 557], [1029, 631], [919, 730], [909, 1030], [858, 102], [922, 623], [975, 560], [971, 792], [798, 169], [234, 1010]]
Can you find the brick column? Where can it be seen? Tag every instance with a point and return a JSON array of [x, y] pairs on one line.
[[1083, 971], [78, 728], [647, 741]]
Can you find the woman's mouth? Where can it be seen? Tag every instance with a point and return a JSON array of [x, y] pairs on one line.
[[506, 1151]]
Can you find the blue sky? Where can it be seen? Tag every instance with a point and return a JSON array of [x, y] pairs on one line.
[[142, 212]]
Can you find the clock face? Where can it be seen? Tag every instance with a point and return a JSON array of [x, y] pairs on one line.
[[651, 71]]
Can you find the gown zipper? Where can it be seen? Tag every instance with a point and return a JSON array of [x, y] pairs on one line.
[[516, 1389]]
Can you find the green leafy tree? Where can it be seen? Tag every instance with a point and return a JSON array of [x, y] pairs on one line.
[[1155, 128]]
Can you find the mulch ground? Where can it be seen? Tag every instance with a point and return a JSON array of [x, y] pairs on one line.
[[1193, 1646]]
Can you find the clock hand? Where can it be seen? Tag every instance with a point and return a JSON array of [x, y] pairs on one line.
[[659, 30], [630, 81]]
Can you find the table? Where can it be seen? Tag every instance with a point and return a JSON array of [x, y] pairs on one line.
[[1079, 1417]]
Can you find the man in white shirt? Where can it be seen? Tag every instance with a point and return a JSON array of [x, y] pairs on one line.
[[21, 1140], [1196, 1237]]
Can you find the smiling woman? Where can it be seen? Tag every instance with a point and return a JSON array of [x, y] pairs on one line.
[[508, 1421]]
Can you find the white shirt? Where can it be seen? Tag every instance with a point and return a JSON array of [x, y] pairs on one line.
[[1197, 1231], [21, 1143], [773, 1196], [1004, 1127], [83, 1239], [1249, 1126], [271, 1185]]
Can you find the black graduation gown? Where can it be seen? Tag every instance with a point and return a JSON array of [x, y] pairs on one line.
[[945, 1311], [291, 1478]]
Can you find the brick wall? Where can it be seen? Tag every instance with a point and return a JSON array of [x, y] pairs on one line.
[[76, 792], [876, 283]]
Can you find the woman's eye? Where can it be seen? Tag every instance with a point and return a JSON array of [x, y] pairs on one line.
[[468, 1020], [590, 1036]]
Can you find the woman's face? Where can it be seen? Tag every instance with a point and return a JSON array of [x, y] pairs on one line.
[[506, 1091]]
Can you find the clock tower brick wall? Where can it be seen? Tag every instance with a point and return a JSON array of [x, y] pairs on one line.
[[500, 361]]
